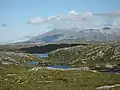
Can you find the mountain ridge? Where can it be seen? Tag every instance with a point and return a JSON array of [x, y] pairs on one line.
[[89, 34]]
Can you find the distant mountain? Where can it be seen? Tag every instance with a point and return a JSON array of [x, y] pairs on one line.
[[54, 35], [107, 28], [104, 34]]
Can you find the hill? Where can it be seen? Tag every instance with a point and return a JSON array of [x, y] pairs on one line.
[[88, 34], [94, 55]]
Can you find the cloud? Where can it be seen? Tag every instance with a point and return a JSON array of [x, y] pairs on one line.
[[51, 19], [35, 20], [109, 14], [88, 14], [28, 37], [3, 25], [110, 17], [72, 12], [70, 17], [116, 13], [77, 19]]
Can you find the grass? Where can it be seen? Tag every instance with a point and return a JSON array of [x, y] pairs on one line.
[[89, 54], [53, 80], [18, 77]]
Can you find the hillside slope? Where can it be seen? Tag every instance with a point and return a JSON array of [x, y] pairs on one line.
[[104, 34], [93, 55]]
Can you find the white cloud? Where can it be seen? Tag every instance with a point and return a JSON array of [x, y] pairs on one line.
[[88, 14], [53, 18], [72, 12], [115, 24], [35, 20], [71, 16], [72, 19], [110, 18]]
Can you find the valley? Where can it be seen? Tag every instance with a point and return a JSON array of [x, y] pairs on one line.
[[59, 44], [69, 66]]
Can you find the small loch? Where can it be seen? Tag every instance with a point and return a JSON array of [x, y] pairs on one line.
[[60, 66], [44, 55]]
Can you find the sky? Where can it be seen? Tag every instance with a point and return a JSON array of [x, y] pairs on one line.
[[27, 18]]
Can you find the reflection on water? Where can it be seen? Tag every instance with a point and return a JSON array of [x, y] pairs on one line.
[[44, 55], [60, 66], [32, 63], [52, 66]]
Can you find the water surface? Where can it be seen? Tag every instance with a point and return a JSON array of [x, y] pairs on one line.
[[44, 55], [60, 66], [32, 63]]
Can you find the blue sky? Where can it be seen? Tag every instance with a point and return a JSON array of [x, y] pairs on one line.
[[15, 13]]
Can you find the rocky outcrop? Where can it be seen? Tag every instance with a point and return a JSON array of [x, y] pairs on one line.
[[15, 58], [103, 54]]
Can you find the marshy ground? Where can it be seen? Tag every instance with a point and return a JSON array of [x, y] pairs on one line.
[[15, 75], [19, 78]]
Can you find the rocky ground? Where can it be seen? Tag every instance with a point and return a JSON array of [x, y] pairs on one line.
[[21, 78], [89, 64], [94, 55], [15, 58]]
